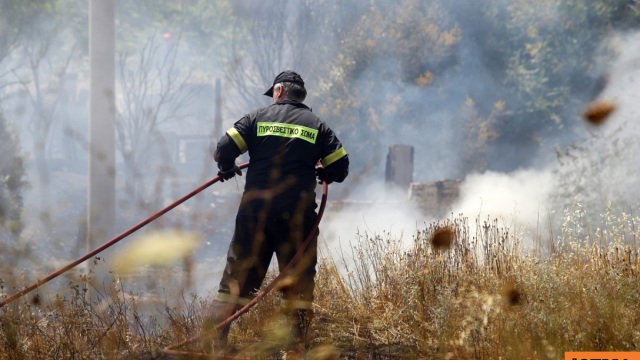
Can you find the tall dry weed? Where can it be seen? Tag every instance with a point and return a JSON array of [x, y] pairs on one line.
[[482, 297]]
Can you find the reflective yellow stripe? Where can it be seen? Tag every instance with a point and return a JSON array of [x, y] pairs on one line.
[[296, 304], [333, 157], [237, 138], [231, 299], [288, 130]]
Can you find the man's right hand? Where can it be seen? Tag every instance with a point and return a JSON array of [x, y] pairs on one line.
[[226, 174], [322, 175]]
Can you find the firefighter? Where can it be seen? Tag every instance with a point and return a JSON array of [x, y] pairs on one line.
[[285, 141]]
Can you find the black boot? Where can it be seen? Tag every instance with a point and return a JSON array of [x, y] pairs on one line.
[[300, 321], [220, 342], [220, 311]]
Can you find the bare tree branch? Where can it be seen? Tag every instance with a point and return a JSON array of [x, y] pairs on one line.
[[153, 94], [42, 81], [273, 41]]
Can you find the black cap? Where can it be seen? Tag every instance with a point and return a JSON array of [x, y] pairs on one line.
[[285, 76]]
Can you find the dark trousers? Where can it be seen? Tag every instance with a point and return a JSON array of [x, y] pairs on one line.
[[254, 242]]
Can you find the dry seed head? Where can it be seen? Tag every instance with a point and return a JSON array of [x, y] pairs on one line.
[[597, 112], [510, 293], [286, 283], [324, 352], [35, 301], [442, 238]]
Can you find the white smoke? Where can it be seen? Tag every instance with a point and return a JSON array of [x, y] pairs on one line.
[[381, 212], [518, 200], [623, 85]]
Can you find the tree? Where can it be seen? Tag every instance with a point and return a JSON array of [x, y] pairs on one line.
[[40, 61], [43, 80], [12, 183], [8, 35], [204, 28], [265, 44], [546, 60], [405, 70], [378, 88], [152, 93]]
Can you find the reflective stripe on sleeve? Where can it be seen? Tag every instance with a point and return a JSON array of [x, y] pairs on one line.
[[333, 157], [231, 299], [295, 304], [237, 138]]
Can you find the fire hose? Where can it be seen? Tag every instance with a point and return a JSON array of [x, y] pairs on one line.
[[170, 350]]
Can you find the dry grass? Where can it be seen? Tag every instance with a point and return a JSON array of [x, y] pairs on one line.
[[482, 298], [486, 298]]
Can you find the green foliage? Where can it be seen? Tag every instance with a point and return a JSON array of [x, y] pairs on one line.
[[551, 52], [476, 134], [402, 64], [388, 53], [378, 68]]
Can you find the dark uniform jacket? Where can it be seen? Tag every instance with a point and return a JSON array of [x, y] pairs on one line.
[[285, 142]]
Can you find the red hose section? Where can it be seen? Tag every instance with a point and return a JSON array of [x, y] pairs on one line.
[[169, 350], [111, 242]]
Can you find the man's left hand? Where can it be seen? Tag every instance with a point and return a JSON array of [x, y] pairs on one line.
[[226, 174]]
